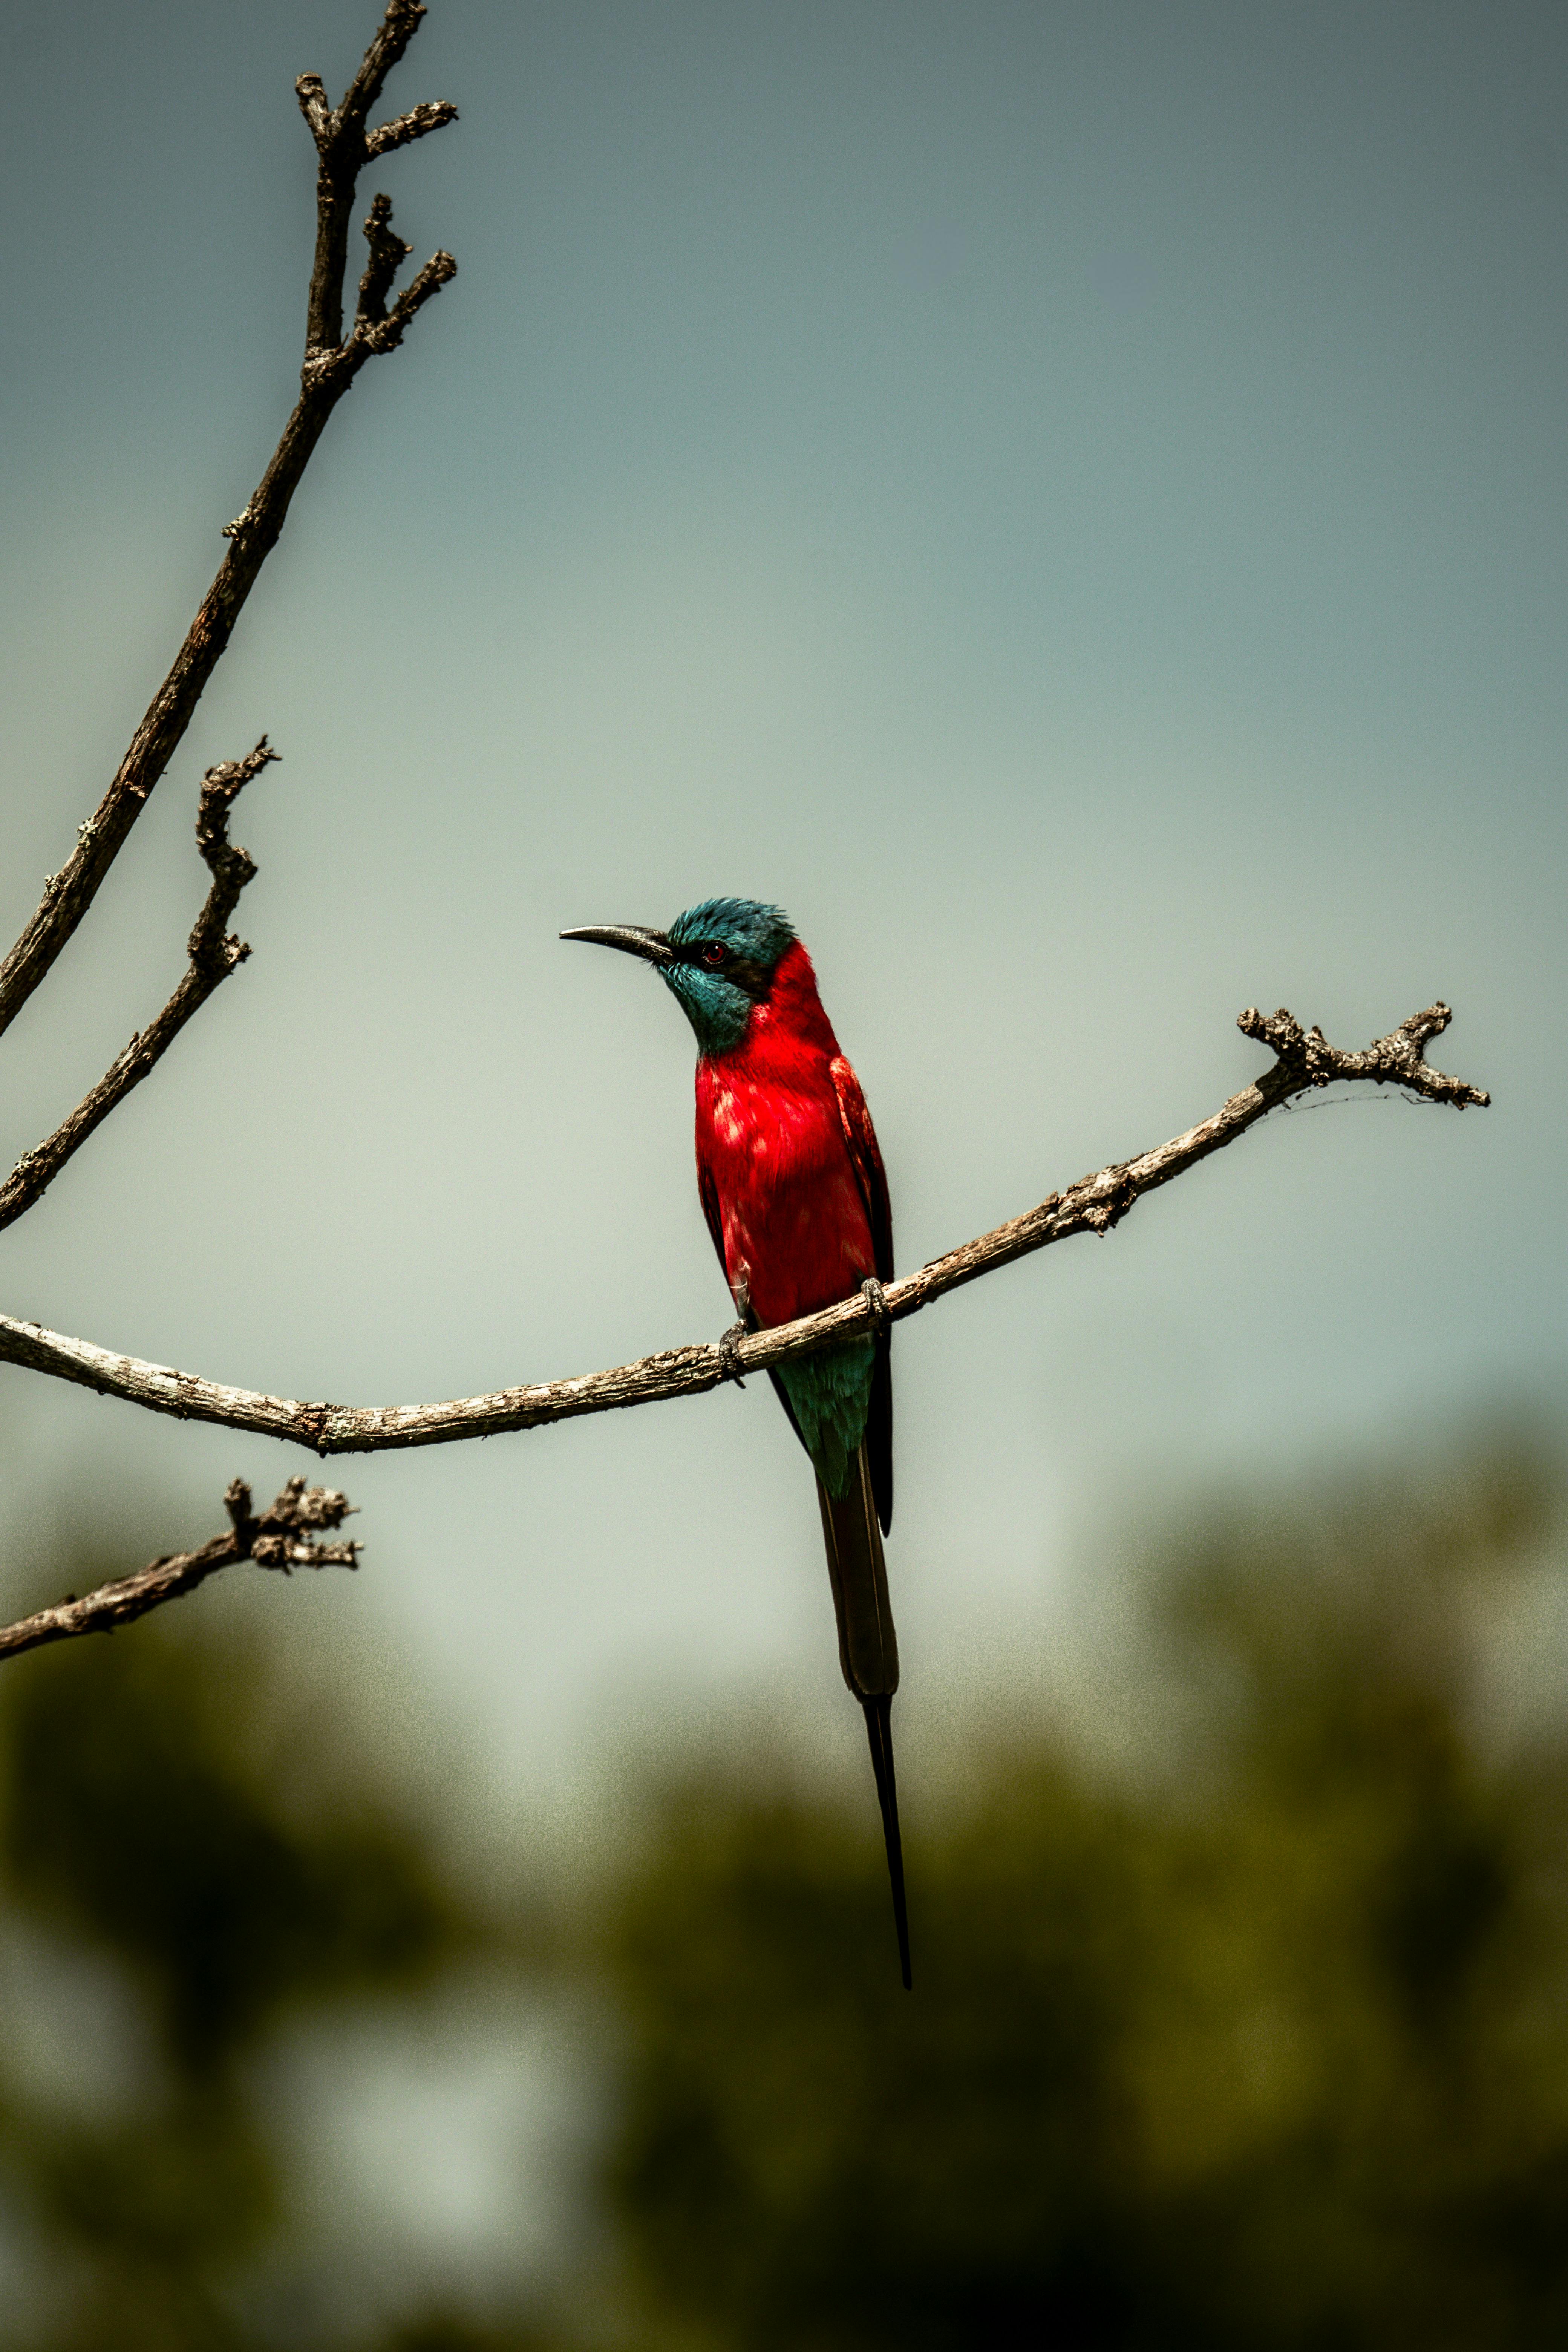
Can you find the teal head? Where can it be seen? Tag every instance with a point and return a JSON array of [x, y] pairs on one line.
[[718, 960]]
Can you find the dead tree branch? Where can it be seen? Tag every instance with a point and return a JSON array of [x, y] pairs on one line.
[[330, 364], [1304, 1060], [213, 954], [284, 1537], [390, 136], [343, 148]]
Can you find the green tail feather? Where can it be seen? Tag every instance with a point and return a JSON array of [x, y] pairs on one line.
[[830, 1397]]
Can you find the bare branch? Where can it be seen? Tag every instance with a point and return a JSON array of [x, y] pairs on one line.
[[343, 151], [328, 371], [1396, 1059], [213, 954], [415, 124], [396, 29], [315, 106], [387, 255], [1094, 1204], [284, 1538], [372, 337]]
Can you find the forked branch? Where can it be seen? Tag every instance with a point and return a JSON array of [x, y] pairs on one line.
[[285, 1536], [329, 367], [213, 954], [1304, 1060], [342, 150]]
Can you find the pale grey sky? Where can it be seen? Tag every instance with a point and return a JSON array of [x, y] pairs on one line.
[[1067, 499]]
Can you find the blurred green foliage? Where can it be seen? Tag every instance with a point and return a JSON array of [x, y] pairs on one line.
[[1266, 2045], [196, 1852], [1256, 2043]]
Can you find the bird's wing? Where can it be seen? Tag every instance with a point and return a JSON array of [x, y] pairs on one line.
[[866, 1159], [708, 1192]]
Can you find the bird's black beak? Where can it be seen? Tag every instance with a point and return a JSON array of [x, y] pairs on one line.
[[635, 938]]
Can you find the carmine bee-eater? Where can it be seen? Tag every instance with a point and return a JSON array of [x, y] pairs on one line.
[[796, 1201]]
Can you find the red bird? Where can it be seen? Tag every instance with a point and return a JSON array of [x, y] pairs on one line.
[[796, 1200]]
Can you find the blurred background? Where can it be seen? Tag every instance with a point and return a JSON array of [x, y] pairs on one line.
[[1069, 501], [1247, 2027]]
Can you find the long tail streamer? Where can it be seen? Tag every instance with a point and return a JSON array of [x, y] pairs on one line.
[[869, 1653], [879, 1731]]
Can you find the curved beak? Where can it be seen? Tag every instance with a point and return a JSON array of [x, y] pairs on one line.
[[635, 938]]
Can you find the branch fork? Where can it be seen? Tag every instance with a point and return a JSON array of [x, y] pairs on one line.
[[1306, 1058], [343, 147], [285, 1537], [213, 954]]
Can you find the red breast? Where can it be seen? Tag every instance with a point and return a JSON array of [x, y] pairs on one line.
[[769, 1139]]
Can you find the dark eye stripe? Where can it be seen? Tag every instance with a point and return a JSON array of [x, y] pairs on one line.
[[712, 955]]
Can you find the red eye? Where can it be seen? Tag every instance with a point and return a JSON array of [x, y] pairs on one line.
[[712, 954]]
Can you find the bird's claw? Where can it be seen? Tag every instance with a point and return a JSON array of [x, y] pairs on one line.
[[730, 1354], [876, 1298]]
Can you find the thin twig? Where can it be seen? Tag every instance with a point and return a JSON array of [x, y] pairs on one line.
[[342, 150], [1303, 1061], [284, 1538], [329, 367], [213, 954], [387, 255], [388, 136]]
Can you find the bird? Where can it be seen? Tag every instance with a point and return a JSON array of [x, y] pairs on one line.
[[796, 1198]]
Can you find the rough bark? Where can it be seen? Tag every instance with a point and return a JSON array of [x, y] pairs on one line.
[[284, 1537], [1304, 1060]]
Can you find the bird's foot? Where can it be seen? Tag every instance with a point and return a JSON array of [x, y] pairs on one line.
[[876, 1298], [730, 1354]]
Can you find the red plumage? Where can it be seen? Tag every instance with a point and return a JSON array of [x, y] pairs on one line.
[[773, 1155], [791, 1177]]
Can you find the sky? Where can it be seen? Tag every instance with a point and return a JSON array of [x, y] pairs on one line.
[[1069, 501]]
